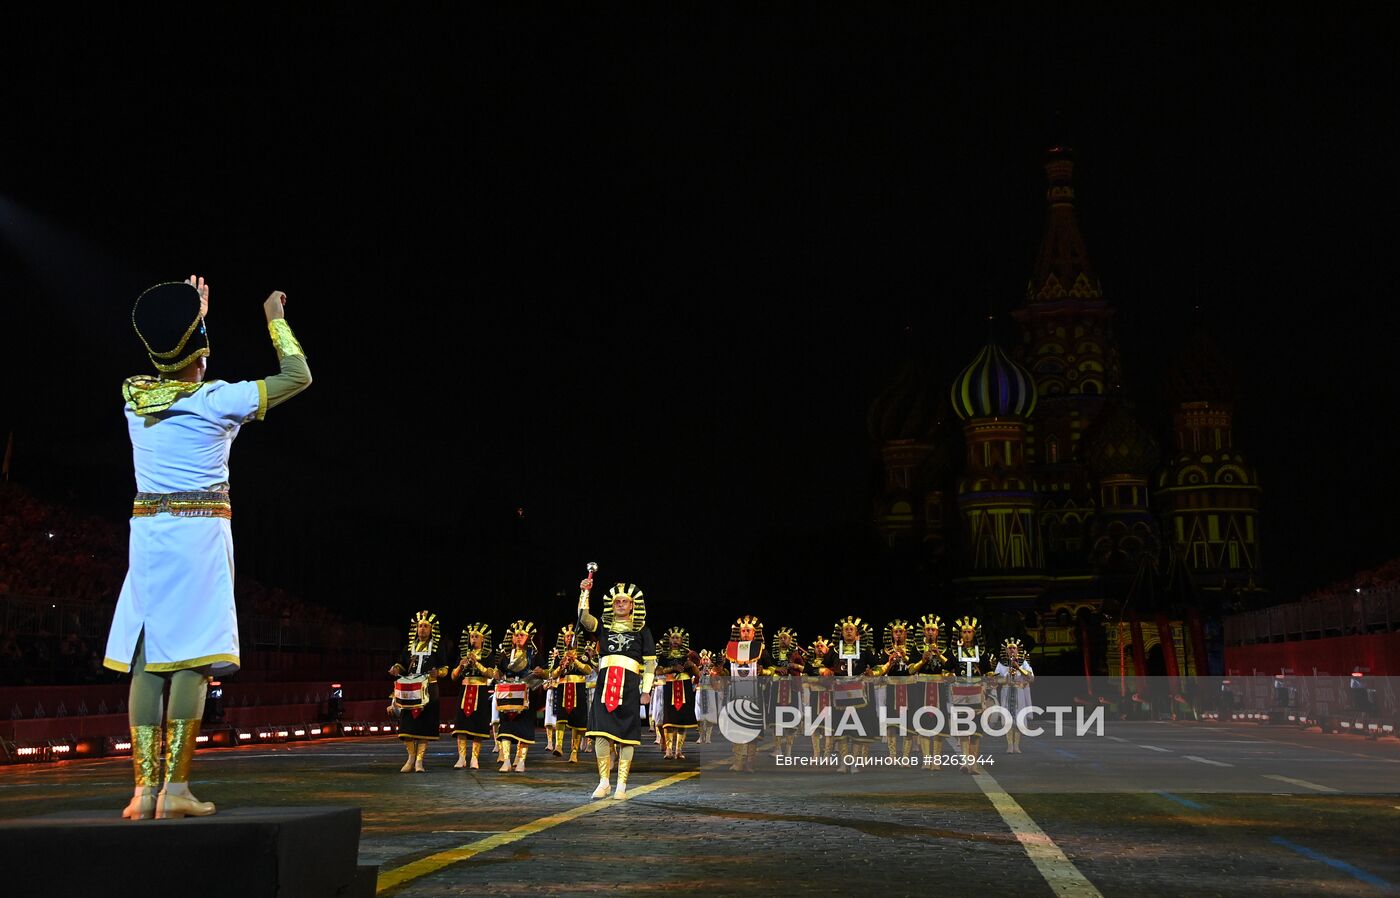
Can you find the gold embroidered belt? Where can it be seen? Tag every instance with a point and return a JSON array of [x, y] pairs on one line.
[[575, 678], [620, 661], [193, 504]]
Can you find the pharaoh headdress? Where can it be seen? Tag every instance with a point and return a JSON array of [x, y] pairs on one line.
[[413, 629], [967, 622], [464, 645], [674, 631], [898, 624], [1020, 650], [863, 629], [930, 620], [746, 620], [777, 645], [639, 607]]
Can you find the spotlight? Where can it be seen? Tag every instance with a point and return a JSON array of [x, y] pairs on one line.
[[214, 703]]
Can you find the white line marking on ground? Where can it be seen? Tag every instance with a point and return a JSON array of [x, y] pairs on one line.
[[1064, 878], [1207, 761], [1304, 783], [1154, 748]]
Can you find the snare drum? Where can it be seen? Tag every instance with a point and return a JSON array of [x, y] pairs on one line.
[[512, 698], [849, 694], [410, 692], [965, 694]]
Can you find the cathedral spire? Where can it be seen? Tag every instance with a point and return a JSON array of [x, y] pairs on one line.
[[1063, 270]]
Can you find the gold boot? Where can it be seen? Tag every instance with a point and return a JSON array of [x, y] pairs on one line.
[[739, 753], [503, 748], [145, 763], [412, 756], [175, 800], [418, 759], [476, 755], [680, 745], [574, 741], [520, 757], [624, 767], [604, 769], [461, 753]]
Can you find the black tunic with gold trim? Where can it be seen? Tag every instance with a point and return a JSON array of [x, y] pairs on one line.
[[616, 708], [474, 711], [571, 695], [678, 708]]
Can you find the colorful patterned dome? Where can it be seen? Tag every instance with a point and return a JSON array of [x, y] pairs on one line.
[[993, 386]]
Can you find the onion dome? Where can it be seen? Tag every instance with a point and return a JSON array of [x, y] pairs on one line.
[[908, 409], [1201, 373], [1118, 444], [993, 386]]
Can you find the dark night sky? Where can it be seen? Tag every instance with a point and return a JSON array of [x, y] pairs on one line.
[[643, 277]]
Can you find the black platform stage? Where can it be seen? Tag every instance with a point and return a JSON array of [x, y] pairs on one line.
[[240, 853]]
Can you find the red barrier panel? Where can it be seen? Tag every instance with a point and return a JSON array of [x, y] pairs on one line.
[[1380, 652]]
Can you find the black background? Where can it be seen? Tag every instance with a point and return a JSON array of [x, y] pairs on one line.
[[641, 276]]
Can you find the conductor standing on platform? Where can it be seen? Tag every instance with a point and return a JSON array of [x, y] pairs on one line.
[[175, 619]]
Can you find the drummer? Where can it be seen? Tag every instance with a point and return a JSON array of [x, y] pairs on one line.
[[416, 693], [515, 668]]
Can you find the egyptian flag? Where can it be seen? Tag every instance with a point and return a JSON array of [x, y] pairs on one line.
[[745, 652]]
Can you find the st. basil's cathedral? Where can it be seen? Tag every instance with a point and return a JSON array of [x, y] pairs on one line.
[[1028, 491]]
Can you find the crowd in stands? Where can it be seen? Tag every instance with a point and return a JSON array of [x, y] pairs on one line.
[[61, 571], [1385, 576]]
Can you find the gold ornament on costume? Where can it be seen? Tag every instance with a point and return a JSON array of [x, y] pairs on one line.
[[413, 629], [863, 629], [147, 395], [639, 608], [283, 340], [747, 620]]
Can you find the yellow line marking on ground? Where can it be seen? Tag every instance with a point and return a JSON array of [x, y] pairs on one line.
[[1304, 783], [400, 876], [1064, 878]]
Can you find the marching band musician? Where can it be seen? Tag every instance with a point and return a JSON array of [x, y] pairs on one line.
[[854, 654], [422, 657], [933, 670], [969, 688], [473, 722], [899, 698], [626, 667], [744, 654], [819, 668], [676, 662], [706, 695], [1014, 675], [786, 662], [515, 666], [571, 665]]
